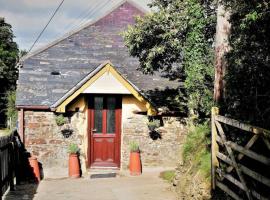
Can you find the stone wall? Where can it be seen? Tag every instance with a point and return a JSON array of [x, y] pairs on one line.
[[162, 150], [44, 139]]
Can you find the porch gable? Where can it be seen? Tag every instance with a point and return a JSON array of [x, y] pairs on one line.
[[93, 79]]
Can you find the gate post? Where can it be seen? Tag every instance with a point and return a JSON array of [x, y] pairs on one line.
[[214, 146]]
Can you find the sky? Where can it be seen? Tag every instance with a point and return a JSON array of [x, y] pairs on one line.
[[28, 17]]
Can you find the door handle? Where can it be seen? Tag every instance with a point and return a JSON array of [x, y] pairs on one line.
[[94, 130]]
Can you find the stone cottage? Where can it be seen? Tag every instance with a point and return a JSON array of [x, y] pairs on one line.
[[88, 82]]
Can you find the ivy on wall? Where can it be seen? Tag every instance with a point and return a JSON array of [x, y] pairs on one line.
[[177, 40]]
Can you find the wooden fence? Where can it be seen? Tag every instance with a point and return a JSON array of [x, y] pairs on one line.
[[240, 163], [7, 163]]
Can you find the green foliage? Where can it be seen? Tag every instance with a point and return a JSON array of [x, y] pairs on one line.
[[73, 148], [11, 111], [8, 56], [8, 71], [22, 53], [60, 120], [134, 146], [177, 41], [153, 124], [5, 132], [248, 73], [196, 148], [168, 175]]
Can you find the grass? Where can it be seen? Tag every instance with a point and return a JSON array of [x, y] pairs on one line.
[[167, 175], [196, 149], [4, 132]]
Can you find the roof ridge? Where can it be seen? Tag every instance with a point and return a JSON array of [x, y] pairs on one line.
[[73, 32]]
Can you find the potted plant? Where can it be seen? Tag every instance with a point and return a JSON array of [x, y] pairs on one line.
[[73, 164], [153, 124], [34, 167], [135, 166], [60, 120]]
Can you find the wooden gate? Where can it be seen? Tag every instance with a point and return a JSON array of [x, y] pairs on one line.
[[7, 169], [240, 165]]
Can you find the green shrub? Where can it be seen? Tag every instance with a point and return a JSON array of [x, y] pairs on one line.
[[152, 125], [73, 148], [11, 111], [196, 148], [134, 146], [60, 120]]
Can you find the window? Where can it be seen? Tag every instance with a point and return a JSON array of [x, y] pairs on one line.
[[111, 105], [98, 107]]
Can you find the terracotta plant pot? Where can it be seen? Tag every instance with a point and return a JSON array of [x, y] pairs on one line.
[[35, 168], [73, 166], [135, 166]]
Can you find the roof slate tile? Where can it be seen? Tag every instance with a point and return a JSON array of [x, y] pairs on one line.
[[78, 55]]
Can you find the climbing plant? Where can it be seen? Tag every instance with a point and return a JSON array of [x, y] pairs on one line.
[[176, 39]]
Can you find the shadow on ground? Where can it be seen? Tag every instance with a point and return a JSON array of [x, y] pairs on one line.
[[25, 191], [26, 180], [220, 195]]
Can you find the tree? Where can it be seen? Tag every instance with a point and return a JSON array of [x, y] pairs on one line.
[[248, 64], [221, 48], [8, 58], [176, 40]]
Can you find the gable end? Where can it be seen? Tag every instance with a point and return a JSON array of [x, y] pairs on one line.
[[60, 106]]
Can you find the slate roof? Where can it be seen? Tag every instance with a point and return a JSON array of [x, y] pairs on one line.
[[81, 52]]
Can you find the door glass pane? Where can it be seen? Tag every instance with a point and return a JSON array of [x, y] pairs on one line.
[[111, 104], [98, 106]]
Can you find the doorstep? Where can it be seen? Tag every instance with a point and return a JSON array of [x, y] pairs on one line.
[[102, 171]]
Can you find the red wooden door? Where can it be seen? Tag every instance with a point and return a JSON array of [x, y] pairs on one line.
[[105, 128]]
